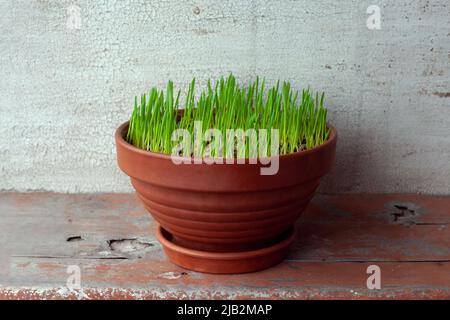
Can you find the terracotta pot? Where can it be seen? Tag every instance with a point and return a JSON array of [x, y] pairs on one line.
[[209, 211]]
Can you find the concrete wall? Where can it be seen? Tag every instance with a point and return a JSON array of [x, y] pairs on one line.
[[64, 90]]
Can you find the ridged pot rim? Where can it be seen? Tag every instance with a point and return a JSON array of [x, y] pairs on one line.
[[121, 140]]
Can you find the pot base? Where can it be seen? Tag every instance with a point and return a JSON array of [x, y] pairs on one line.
[[226, 262]]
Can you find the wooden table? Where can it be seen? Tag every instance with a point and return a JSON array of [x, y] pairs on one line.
[[46, 238]]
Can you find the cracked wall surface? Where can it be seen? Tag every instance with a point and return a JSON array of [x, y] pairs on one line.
[[64, 87]]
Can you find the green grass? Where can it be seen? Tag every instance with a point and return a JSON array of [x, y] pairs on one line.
[[299, 117]]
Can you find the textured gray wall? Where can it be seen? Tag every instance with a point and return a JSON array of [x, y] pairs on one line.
[[63, 91]]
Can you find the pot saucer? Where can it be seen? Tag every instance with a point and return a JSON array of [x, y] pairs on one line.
[[225, 262]]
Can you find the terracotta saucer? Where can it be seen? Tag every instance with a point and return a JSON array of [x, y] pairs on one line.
[[225, 262]]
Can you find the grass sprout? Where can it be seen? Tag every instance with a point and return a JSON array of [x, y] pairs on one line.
[[223, 105]]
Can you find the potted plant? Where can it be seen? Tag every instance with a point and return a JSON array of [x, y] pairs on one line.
[[227, 175]]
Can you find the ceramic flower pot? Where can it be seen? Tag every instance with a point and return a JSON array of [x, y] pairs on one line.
[[225, 218]]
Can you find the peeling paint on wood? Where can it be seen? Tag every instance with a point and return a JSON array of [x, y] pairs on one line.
[[339, 237]]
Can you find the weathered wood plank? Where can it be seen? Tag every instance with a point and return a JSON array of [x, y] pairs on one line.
[[333, 228], [110, 237], [159, 279]]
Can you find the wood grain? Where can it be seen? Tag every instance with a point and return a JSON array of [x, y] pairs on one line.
[[110, 237]]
